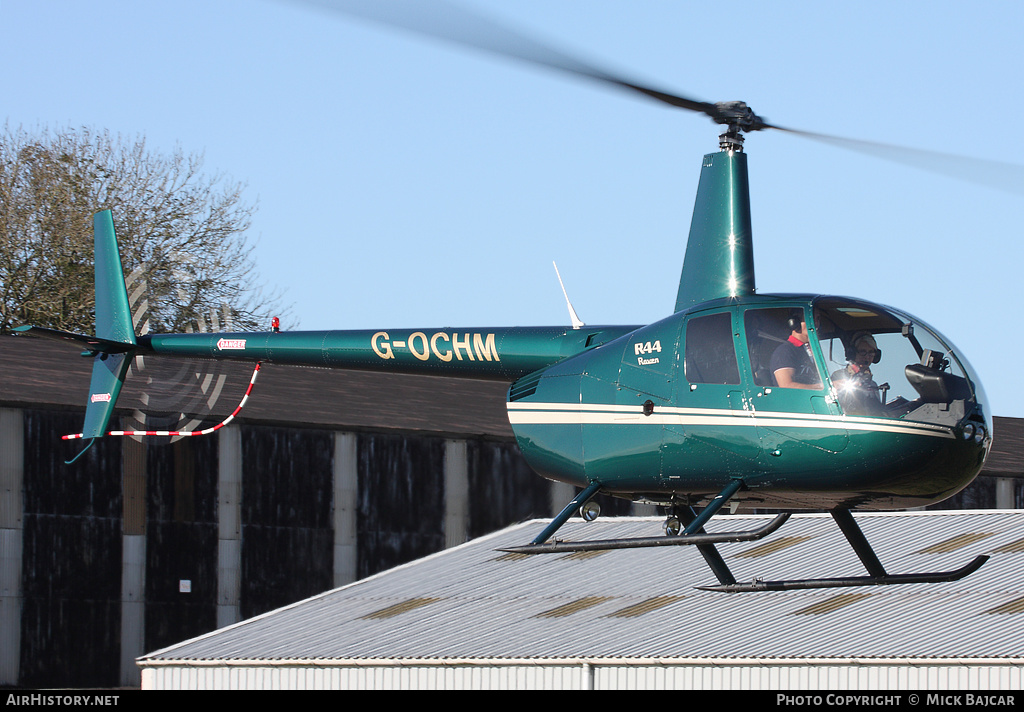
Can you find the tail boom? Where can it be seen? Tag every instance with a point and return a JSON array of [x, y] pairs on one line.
[[503, 354]]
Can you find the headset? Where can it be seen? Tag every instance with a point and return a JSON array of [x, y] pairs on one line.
[[851, 347], [796, 318]]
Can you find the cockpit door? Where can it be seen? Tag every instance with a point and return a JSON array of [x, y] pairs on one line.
[[797, 420]]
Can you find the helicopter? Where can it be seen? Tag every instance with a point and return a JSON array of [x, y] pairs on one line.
[[732, 402]]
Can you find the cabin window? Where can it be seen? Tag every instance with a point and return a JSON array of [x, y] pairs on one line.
[[776, 353], [711, 350]]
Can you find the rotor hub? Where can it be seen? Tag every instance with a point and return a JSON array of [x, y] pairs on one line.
[[738, 116]]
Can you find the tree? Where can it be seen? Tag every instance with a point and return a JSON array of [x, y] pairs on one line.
[[182, 234]]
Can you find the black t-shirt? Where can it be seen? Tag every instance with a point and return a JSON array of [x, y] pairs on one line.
[[788, 355]]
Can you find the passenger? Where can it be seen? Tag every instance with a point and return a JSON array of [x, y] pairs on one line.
[[855, 386], [792, 364]]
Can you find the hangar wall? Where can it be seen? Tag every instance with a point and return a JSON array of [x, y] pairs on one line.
[[703, 674]]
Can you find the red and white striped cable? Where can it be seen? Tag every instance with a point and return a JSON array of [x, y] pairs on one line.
[[185, 433]]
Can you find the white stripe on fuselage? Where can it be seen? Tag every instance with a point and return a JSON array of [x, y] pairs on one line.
[[596, 414]]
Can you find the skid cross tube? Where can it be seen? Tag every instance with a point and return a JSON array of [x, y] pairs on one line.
[[713, 506], [852, 531], [693, 535], [711, 555], [578, 501]]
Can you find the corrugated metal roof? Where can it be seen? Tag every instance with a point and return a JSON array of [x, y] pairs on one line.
[[472, 602]]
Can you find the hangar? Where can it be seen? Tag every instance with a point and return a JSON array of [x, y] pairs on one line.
[[325, 479], [473, 617]]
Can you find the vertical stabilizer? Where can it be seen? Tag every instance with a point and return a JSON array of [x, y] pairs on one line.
[[108, 372], [113, 323], [719, 258], [113, 315]]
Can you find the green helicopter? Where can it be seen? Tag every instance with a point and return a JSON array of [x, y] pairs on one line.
[[736, 400]]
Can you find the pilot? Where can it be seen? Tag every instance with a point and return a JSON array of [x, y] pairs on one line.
[[792, 364], [855, 385]]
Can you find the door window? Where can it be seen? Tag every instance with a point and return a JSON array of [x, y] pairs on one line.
[[711, 350], [779, 357]]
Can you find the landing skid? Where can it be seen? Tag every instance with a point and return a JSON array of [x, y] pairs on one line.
[[644, 542], [887, 579], [694, 535], [877, 575]]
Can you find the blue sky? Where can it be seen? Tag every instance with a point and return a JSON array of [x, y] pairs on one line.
[[404, 182]]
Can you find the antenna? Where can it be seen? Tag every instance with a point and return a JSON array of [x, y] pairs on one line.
[[576, 322]]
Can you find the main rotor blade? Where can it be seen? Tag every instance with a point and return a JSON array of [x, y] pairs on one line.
[[1008, 177], [443, 20], [453, 23]]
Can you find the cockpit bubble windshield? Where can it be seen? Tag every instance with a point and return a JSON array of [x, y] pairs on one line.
[[886, 363]]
